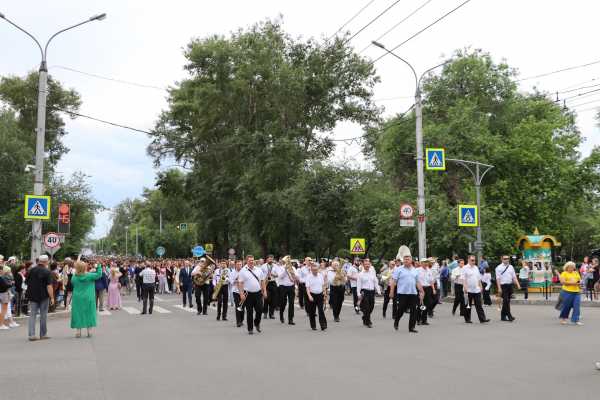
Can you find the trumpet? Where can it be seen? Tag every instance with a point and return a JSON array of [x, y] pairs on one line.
[[240, 306]]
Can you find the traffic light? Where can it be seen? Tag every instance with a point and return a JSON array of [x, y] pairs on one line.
[[64, 218]]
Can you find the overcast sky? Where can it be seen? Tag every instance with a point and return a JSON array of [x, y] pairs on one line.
[[142, 41]]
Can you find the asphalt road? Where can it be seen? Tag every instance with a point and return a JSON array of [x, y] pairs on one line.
[[177, 355]]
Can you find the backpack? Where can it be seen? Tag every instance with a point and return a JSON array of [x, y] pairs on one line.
[[4, 285]]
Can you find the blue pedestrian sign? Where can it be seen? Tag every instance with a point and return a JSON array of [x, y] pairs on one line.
[[160, 251], [468, 215], [436, 159], [37, 207], [198, 251]]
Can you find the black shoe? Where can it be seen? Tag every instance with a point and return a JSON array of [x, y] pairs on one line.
[[258, 329], [291, 323], [204, 313], [468, 322], [485, 321], [511, 318], [418, 322], [271, 317], [150, 312], [224, 319], [336, 320], [143, 312], [323, 328], [239, 324], [218, 317], [369, 325], [383, 315], [314, 328], [413, 331], [198, 313], [191, 306], [396, 326], [250, 333], [506, 320], [282, 320], [424, 323]]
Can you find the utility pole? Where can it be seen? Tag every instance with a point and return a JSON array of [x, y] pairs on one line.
[[38, 176], [421, 220], [160, 222], [126, 237]]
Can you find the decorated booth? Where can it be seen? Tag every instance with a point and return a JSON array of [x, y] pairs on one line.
[[538, 251]]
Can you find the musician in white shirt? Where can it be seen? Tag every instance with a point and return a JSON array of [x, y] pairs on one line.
[[271, 300], [301, 274], [472, 288], [366, 285], [222, 298], [426, 280], [233, 277], [253, 290], [315, 285], [287, 289], [352, 274], [505, 277], [459, 296]]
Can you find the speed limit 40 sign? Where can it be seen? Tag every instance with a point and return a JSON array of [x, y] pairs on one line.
[[51, 240]]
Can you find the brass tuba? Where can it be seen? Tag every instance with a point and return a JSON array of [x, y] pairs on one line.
[[289, 268], [340, 277], [203, 277]]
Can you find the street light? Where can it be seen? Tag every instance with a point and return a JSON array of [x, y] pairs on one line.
[[421, 225], [38, 178]]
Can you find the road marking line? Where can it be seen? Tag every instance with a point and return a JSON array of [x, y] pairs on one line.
[[131, 310], [105, 313], [161, 310], [156, 298], [188, 309]]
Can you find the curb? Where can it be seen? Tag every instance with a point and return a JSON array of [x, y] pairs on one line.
[[54, 315], [541, 302]]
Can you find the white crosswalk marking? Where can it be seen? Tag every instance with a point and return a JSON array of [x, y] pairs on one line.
[[156, 298], [105, 313], [161, 310], [188, 309], [131, 310]]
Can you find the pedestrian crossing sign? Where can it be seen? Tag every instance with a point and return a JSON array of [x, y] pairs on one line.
[[436, 159], [357, 246], [468, 215], [37, 207]]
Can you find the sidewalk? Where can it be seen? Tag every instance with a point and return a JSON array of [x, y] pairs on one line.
[[536, 299]]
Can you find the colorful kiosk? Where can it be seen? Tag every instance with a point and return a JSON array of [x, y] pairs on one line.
[[538, 250]]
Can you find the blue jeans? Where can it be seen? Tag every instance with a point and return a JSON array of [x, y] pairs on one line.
[[570, 300], [34, 307]]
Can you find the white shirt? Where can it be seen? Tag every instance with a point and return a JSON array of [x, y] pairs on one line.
[[352, 273], [425, 276], [472, 278], [217, 276], [487, 279], [456, 275], [233, 276], [330, 276], [367, 281], [148, 275], [302, 273], [314, 284], [266, 268], [283, 278], [505, 277], [251, 284]]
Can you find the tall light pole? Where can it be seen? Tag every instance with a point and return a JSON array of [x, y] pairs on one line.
[[137, 248], [126, 240], [38, 176], [421, 223]]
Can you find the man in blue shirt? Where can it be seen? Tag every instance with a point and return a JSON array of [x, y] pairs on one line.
[[405, 284]]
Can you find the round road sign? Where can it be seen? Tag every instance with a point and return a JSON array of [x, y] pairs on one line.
[[406, 211], [51, 240], [160, 251]]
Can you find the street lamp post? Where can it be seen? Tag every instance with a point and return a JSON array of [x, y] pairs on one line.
[[126, 241], [421, 223], [38, 180]]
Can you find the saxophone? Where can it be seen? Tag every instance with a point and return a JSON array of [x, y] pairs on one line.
[[222, 280]]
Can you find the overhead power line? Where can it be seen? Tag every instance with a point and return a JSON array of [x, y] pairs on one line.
[[351, 19], [396, 25], [110, 79], [424, 29], [559, 71], [581, 94], [373, 20]]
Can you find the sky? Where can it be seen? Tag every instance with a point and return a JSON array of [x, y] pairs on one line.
[[142, 42]]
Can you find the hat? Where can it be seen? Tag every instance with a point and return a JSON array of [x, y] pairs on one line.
[[12, 258], [43, 258]]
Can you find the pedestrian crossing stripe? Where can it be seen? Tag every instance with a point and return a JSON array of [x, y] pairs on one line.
[[161, 310], [468, 215], [37, 207], [131, 310], [185, 308], [436, 159], [104, 312], [357, 246]]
